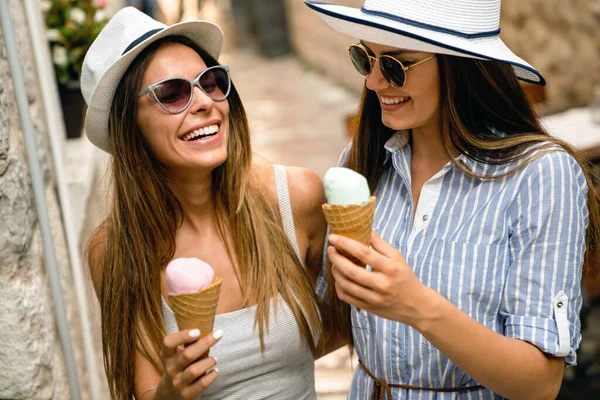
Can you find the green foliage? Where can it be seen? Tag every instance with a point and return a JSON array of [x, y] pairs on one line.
[[71, 27]]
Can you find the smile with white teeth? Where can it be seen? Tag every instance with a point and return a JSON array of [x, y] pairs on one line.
[[201, 133], [393, 100]]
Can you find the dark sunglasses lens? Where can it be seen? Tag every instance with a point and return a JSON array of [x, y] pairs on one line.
[[215, 83], [360, 60], [173, 94], [392, 71]]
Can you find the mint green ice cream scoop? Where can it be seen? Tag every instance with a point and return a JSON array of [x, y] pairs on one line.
[[344, 186]]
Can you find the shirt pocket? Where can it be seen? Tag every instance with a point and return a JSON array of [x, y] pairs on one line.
[[471, 276]]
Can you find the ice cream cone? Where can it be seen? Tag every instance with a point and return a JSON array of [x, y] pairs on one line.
[[197, 310], [354, 221]]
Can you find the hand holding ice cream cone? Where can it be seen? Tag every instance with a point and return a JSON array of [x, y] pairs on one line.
[[183, 364], [350, 208]]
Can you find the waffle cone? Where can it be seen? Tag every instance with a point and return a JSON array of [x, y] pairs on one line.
[[197, 310], [353, 221]]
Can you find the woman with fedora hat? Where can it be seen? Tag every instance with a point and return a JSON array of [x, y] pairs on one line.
[[184, 184], [483, 221]]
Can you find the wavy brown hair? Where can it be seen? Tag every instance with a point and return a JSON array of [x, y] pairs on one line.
[[477, 99], [136, 241]]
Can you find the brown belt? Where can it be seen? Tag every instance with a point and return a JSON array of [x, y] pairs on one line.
[[382, 390]]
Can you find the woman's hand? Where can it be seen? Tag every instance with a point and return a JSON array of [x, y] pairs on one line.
[[186, 374], [390, 290]]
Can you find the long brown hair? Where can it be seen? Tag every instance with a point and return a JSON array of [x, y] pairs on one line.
[[477, 99], [137, 239]]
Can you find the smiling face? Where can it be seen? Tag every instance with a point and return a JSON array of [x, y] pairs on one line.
[[416, 104], [195, 139]]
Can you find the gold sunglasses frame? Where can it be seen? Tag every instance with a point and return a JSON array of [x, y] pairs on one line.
[[372, 61]]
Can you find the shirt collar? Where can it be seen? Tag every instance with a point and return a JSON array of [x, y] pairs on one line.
[[401, 139], [398, 140]]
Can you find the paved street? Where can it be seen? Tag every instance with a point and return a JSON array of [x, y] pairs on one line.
[[296, 115]]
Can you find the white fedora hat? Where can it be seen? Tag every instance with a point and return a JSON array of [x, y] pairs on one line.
[[465, 28], [125, 36]]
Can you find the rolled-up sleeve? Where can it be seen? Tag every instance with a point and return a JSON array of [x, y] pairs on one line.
[[548, 221]]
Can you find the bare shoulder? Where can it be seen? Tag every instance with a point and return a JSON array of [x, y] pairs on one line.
[[95, 253], [306, 190]]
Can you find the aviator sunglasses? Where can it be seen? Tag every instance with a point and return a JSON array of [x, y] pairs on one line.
[[174, 95], [392, 69]]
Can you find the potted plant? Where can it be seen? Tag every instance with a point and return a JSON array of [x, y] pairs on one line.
[[71, 27]]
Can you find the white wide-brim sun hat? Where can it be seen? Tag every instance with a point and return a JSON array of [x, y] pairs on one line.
[[125, 36], [464, 28]]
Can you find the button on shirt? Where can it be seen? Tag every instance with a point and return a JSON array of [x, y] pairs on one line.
[[506, 251]]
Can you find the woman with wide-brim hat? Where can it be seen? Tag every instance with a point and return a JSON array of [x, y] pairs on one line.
[[482, 221], [184, 184]]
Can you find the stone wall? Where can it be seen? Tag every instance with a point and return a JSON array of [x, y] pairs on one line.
[[32, 363], [561, 38]]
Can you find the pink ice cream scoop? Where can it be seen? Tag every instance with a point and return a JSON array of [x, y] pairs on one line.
[[188, 275]]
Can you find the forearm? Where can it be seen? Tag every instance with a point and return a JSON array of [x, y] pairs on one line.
[[510, 367], [162, 392], [332, 338], [157, 390], [332, 341]]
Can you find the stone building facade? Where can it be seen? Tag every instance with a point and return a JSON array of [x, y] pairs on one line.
[[30, 351], [561, 38]]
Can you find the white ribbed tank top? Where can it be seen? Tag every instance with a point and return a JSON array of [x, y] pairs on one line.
[[286, 368]]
